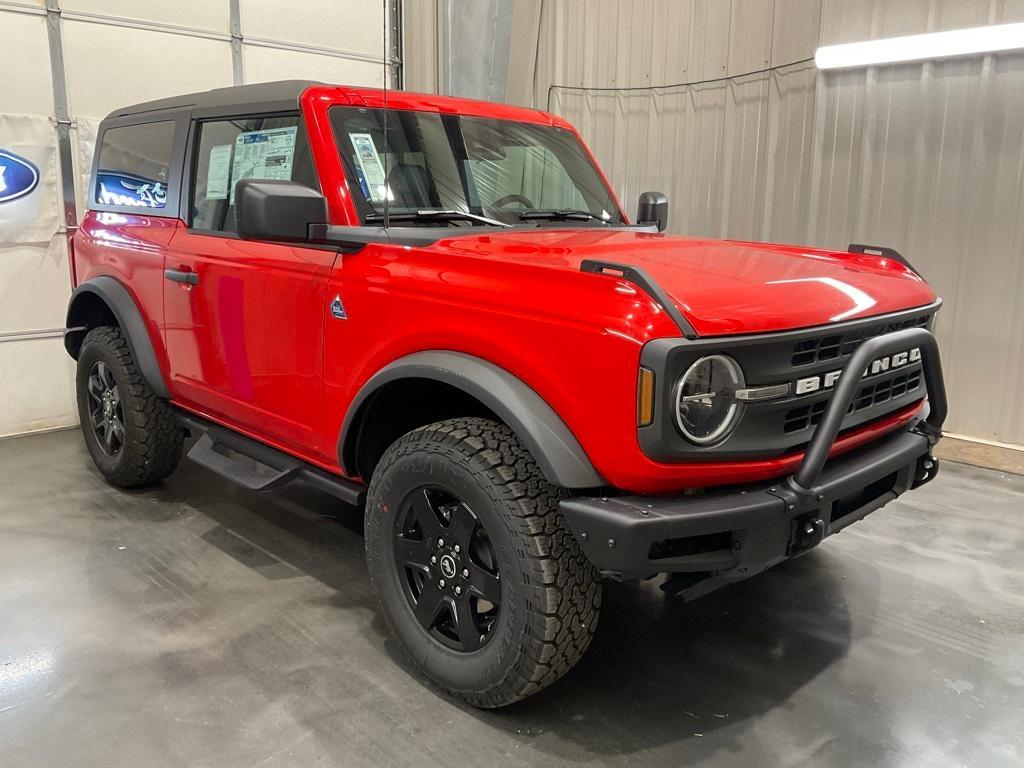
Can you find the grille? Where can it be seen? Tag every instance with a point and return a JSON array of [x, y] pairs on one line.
[[839, 345], [868, 396]]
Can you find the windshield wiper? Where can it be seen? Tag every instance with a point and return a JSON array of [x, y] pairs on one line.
[[440, 214], [560, 214]]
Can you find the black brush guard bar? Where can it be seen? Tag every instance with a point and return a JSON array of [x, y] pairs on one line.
[[832, 421], [728, 535]]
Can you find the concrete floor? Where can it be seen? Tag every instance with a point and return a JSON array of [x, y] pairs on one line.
[[200, 625]]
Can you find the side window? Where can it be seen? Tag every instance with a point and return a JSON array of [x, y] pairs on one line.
[[245, 148], [134, 161]]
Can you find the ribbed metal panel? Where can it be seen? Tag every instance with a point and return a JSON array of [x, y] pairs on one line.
[[422, 45], [925, 158]]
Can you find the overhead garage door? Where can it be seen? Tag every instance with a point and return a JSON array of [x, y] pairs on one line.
[[118, 52]]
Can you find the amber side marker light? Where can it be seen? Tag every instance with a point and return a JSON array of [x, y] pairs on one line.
[[645, 397]]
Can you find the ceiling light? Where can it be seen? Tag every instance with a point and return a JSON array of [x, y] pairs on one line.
[[935, 45]]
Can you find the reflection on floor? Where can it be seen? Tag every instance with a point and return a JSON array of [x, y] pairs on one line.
[[198, 624]]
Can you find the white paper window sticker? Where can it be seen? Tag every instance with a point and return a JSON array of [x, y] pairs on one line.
[[373, 182], [218, 175], [263, 155]]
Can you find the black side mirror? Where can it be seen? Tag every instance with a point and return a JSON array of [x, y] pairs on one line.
[[652, 209], [277, 210]]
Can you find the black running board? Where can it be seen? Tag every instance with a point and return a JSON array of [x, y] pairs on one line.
[[259, 467]]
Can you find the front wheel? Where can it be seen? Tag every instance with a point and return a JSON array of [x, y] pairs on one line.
[[478, 574]]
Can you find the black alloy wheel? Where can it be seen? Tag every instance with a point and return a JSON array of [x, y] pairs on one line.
[[106, 416], [132, 435], [480, 579], [448, 568]]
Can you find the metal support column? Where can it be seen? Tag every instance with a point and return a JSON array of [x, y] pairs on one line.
[[475, 40], [60, 105], [237, 67], [396, 47]]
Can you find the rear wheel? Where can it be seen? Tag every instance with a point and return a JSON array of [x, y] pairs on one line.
[[478, 574], [130, 432]]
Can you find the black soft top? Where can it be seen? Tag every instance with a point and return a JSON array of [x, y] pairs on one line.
[[280, 96]]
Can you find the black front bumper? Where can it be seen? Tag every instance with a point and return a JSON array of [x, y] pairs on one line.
[[711, 538]]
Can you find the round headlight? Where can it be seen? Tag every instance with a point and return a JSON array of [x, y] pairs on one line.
[[706, 404]]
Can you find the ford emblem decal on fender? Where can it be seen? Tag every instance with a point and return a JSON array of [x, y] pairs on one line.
[[18, 176]]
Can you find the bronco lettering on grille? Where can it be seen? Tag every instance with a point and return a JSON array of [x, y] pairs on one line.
[[810, 384]]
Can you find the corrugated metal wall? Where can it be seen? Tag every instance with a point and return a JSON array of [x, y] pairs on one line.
[[926, 158], [422, 45]]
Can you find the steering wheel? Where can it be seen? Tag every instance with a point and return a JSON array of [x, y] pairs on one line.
[[501, 202]]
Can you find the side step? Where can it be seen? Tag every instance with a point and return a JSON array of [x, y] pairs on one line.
[[221, 457], [259, 467]]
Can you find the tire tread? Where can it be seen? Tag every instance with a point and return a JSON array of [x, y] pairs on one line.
[[152, 449], [563, 588]]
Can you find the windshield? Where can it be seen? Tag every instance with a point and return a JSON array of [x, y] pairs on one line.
[[430, 167]]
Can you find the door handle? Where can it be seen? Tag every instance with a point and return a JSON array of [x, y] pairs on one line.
[[185, 276]]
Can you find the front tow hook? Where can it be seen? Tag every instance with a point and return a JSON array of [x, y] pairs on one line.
[[809, 533]]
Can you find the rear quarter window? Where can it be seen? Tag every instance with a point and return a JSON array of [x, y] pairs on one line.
[[133, 165]]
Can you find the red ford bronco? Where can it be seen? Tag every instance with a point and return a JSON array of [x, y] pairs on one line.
[[437, 309]]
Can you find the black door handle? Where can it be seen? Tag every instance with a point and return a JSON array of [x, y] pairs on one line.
[[181, 276]]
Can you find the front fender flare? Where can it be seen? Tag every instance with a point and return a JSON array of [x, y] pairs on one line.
[[129, 318], [557, 451]]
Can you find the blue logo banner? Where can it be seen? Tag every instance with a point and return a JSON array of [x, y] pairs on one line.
[[18, 176]]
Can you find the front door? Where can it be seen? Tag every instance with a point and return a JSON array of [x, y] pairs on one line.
[[244, 321]]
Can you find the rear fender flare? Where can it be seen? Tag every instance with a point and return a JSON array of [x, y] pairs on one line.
[[124, 309], [552, 444]]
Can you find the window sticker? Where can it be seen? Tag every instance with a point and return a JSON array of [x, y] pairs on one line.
[[218, 175], [263, 155], [372, 180], [361, 181]]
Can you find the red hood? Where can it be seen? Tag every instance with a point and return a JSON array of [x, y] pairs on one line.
[[724, 287]]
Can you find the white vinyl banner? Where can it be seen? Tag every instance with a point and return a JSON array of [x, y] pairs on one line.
[[83, 138], [29, 210]]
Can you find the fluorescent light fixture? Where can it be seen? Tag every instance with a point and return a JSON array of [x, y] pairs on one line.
[[935, 45]]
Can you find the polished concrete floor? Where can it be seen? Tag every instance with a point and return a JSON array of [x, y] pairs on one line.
[[201, 625]]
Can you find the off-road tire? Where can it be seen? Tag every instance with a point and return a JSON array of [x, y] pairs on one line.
[[551, 594], [152, 436]]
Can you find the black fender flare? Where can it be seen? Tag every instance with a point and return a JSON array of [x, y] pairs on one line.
[[557, 451], [121, 304]]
